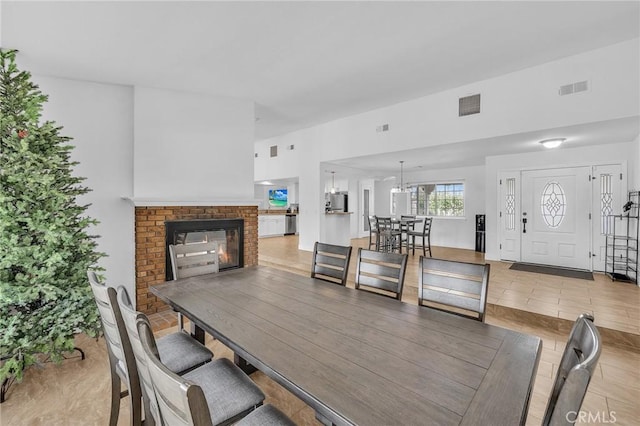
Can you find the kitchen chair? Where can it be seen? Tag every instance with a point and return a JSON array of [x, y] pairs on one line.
[[331, 263], [424, 234], [388, 236], [445, 284], [381, 273], [190, 260], [405, 228], [122, 363], [578, 362], [373, 232], [179, 352], [218, 393]]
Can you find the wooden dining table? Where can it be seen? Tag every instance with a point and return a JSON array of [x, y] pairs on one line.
[[358, 358]]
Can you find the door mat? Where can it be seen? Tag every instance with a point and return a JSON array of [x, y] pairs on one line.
[[550, 270]]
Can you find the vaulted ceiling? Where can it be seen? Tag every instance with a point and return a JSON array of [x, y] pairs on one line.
[[305, 63]]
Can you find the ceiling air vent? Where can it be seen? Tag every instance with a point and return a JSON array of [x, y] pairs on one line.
[[291, 147], [568, 89], [469, 105], [274, 151], [382, 128]]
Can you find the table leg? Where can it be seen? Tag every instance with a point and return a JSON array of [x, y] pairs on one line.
[[196, 332], [243, 364]]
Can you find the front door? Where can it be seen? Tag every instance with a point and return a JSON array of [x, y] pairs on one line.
[[608, 197], [510, 216], [555, 220]]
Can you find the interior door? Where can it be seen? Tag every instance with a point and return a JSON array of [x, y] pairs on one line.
[[608, 185], [366, 203], [509, 215], [555, 219]]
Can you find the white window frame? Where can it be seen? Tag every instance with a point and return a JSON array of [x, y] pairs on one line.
[[444, 182]]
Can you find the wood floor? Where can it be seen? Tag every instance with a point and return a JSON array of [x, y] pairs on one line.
[[76, 392]]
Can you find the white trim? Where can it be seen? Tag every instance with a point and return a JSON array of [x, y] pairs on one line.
[[159, 202]]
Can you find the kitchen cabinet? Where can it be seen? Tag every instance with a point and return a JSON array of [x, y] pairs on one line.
[[271, 225]]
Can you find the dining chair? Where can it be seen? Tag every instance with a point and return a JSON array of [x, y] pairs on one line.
[[388, 236], [373, 232], [381, 273], [456, 287], [405, 228], [578, 363], [122, 363], [217, 393], [179, 352], [331, 263], [190, 260], [424, 234]]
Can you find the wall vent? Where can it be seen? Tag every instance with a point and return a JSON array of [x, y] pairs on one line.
[[291, 147], [469, 105], [382, 128], [274, 151], [569, 89]]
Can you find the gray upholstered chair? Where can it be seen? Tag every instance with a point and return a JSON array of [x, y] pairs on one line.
[[179, 352], [190, 260], [382, 273], [218, 393], [331, 262], [425, 236], [122, 363], [444, 284], [578, 363]]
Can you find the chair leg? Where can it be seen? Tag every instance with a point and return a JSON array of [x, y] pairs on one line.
[[136, 408], [413, 245], [115, 396], [180, 322], [148, 418]]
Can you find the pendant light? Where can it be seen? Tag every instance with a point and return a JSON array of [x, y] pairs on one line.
[[333, 182], [401, 176]]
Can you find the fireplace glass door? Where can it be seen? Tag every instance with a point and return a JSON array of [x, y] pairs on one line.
[[228, 233]]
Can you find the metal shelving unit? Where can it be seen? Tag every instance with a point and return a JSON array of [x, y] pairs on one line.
[[622, 242]]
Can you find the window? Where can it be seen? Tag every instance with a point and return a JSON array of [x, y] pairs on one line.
[[438, 199]]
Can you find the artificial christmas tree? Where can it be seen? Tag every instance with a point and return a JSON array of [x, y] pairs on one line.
[[45, 247]]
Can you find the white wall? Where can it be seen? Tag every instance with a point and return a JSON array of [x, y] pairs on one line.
[[586, 156], [192, 146], [446, 232], [261, 193], [519, 102], [99, 118]]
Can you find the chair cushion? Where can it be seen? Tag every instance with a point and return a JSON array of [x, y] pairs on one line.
[[227, 389], [266, 415], [180, 352]]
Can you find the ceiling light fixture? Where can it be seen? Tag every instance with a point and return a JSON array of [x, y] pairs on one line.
[[333, 182], [401, 175], [552, 143]]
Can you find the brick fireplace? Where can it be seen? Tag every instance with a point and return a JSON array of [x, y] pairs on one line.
[[150, 240]]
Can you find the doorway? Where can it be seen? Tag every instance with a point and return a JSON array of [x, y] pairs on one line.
[[366, 206], [557, 217]]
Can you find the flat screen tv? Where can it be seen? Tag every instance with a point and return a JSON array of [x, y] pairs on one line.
[[278, 197]]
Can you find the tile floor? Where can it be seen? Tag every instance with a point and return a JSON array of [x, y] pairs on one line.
[[76, 392]]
